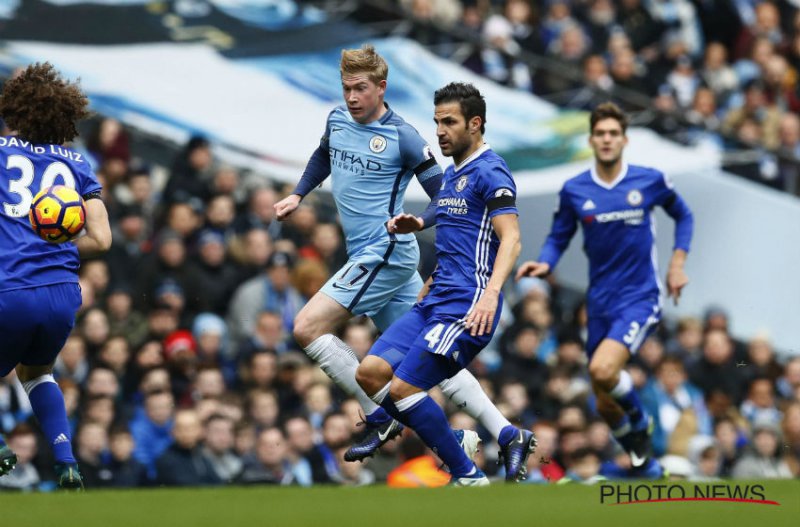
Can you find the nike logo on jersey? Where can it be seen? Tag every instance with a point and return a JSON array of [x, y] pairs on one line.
[[335, 129], [589, 205], [337, 286]]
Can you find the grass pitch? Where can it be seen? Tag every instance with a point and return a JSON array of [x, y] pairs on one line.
[[498, 505]]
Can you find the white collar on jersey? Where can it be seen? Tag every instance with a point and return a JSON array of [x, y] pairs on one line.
[[606, 185], [483, 148]]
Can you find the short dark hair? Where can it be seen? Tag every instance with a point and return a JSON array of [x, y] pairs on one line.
[[608, 110], [41, 107], [469, 98]]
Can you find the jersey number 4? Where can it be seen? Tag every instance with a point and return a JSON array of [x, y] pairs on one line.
[[22, 185]]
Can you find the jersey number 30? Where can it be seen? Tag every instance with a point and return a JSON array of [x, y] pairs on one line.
[[21, 186]]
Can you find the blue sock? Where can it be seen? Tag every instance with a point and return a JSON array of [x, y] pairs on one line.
[[428, 420], [507, 434], [378, 416], [47, 402], [625, 394]]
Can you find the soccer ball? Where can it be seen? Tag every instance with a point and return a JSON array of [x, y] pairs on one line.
[[57, 214]]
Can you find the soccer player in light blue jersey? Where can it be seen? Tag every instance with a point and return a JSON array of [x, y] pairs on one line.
[[614, 203], [39, 292], [371, 155], [477, 244]]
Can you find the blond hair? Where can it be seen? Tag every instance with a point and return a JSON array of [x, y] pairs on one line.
[[364, 60]]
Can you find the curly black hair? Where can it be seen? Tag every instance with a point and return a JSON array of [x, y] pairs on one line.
[[41, 107]]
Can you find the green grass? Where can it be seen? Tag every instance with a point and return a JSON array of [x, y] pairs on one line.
[[498, 505]]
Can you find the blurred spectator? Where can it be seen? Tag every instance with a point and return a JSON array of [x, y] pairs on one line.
[[300, 438], [92, 443], [189, 172], [72, 362], [667, 397], [270, 464], [25, 476], [789, 384], [705, 457], [123, 319], [183, 463], [764, 460], [759, 407], [151, 429], [219, 276], [127, 246], [716, 369], [272, 290], [125, 471], [583, 466], [754, 112], [716, 73]]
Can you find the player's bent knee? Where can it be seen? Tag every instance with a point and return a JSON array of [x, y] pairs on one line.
[[373, 374], [603, 374], [29, 373], [304, 331], [400, 390]]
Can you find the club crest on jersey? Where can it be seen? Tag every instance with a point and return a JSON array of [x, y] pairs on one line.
[[634, 197], [461, 183], [377, 144]]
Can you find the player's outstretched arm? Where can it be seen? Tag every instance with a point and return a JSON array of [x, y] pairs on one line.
[[531, 268], [481, 318], [97, 239]]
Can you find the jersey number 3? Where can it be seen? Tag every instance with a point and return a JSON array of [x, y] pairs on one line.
[[21, 186]]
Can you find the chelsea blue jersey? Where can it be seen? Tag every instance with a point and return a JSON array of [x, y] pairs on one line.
[[371, 166], [618, 231], [29, 261], [472, 194]]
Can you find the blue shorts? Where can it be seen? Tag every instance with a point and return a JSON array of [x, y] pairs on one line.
[[381, 282], [630, 325], [35, 323], [430, 343]]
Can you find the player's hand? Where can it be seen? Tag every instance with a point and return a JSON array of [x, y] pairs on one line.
[[479, 321], [285, 207], [404, 223], [676, 280], [532, 269]]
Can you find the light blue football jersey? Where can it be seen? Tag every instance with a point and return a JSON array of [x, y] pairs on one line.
[[371, 167]]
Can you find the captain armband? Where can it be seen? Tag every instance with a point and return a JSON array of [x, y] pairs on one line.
[[502, 198]]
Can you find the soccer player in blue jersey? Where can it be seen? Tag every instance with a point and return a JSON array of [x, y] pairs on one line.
[[372, 155], [614, 201], [39, 292], [477, 244]]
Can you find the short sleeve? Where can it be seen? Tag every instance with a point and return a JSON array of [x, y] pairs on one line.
[[499, 190], [416, 153], [664, 191]]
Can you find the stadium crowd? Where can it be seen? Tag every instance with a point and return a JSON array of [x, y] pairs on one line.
[[723, 72], [182, 370]]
